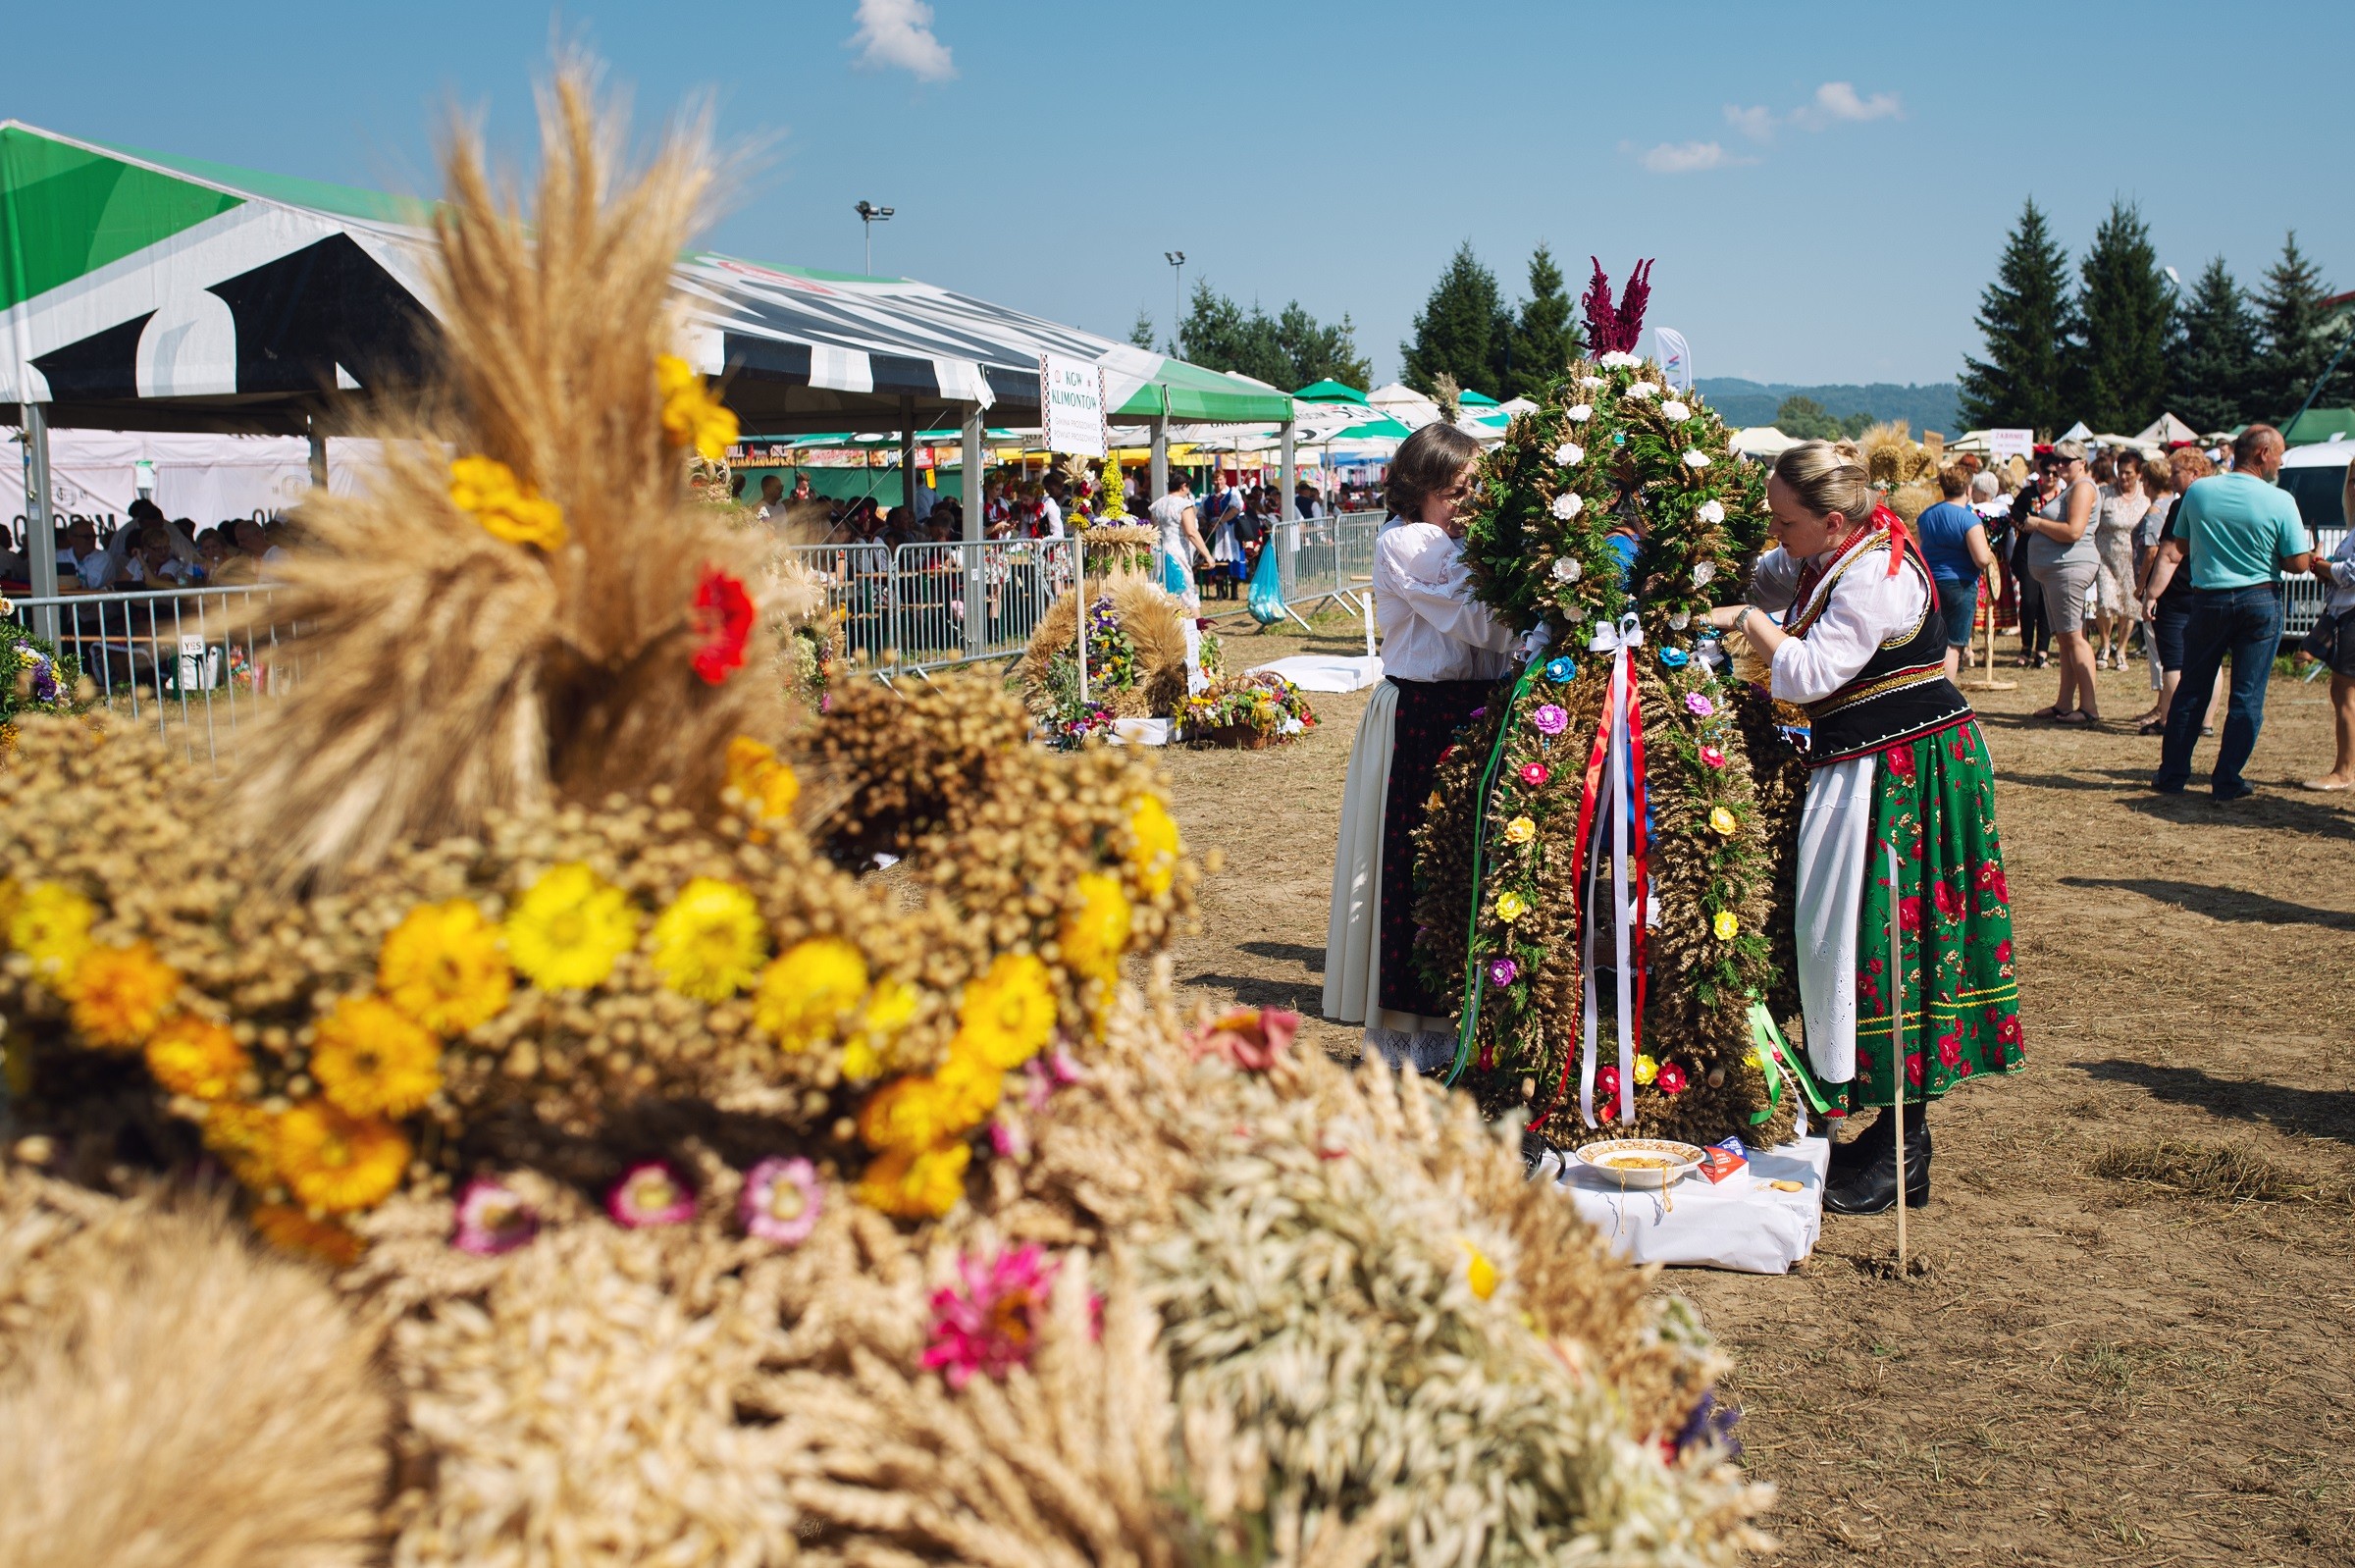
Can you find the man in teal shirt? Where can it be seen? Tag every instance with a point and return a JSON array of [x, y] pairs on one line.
[[2241, 532]]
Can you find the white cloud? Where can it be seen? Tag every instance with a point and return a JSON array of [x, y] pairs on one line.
[[1755, 124], [897, 33], [1838, 100], [1685, 157]]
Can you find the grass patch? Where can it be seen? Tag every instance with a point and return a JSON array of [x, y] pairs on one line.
[[2225, 1172]]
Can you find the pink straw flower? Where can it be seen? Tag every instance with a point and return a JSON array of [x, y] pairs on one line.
[[991, 1324], [493, 1218], [1713, 756], [1697, 704], [1535, 774], [781, 1201], [650, 1192], [1550, 718]]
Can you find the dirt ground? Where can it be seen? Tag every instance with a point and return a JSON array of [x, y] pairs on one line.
[[2154, 1365]]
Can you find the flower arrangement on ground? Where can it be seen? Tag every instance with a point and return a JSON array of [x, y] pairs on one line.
[[1258, 709], [34, 678]]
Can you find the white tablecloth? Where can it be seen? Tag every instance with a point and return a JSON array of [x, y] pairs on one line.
[[1741, 1223], [1325, 673]]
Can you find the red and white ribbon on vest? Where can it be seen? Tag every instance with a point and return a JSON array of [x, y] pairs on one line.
[[1615, 775]]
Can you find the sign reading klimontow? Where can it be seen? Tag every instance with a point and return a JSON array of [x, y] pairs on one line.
[[1071, 402]]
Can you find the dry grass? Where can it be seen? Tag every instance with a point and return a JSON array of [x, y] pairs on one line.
[[2228, 1172]]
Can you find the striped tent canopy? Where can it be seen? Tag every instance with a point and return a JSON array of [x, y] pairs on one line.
[[144, 292]]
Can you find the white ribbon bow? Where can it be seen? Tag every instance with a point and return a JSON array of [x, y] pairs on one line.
[[1614, 637], [1620, 640]]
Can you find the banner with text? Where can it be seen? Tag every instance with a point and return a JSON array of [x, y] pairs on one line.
[[2003, 445], [1070, 399]]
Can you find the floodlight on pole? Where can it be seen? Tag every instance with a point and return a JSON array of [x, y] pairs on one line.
[[1177, 261], [870, 215]]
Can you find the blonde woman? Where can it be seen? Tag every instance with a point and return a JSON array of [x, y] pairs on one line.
[[2122, 503], [2063, 557], [2332, 641], [1896, 769]]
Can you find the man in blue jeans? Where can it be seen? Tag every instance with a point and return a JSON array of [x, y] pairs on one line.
[[2239, 533]]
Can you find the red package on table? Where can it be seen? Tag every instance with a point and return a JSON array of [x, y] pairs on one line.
[[1721, 1160]]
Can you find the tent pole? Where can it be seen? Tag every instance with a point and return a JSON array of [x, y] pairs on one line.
[[318, 456], [1158, 476], [907, 456], [41, 531], [969, 483], [1288, 513]]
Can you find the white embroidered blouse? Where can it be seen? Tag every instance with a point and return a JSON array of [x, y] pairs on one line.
[[1867, 607], [1432, 627]]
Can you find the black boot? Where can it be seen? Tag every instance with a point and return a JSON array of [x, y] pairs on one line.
[[1861, 1150], [1871, 1187]]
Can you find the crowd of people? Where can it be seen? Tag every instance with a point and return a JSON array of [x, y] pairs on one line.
[[148, 552]]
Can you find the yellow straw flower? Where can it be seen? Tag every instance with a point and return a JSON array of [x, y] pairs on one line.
[[1646, 1069], [443, 965], [196, 1056], [1006, 1015], [1510, 907], [1726, 925], [1096, 933], [336, 1163], [754, 773], [289, 1229], [889, 1009], [709, 943], [245, 1137], [691, 415], [1479, 1272], [570, 928], [370, 1059], [965, 1089], [1723, 820], [51, 925], [486, 490], [120, 994], [914, 1185], [1155, 852], [807, 994], [905, 1114], [1520, 831]]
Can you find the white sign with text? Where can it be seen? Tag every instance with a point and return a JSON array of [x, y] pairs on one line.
[[1071, 402], [2003, 445]]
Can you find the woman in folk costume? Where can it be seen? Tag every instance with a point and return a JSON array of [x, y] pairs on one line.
[[1443, 653], [1896, 762]]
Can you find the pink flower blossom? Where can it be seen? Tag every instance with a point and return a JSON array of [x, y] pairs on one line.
[[990, 1322], [1249, 1038], [1670, 1079], [1713, 756], [1535, 774], [493, 1218], [1550, 718], [781, 1201], [650, 1192], [1697, 704]]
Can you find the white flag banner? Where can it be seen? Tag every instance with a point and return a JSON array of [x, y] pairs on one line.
[[2007, 444], [1071, 402], [1675, 354]]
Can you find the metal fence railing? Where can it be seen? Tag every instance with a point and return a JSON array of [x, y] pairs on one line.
[[934, 606], [2303, 596]]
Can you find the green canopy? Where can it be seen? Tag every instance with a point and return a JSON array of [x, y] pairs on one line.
[[1194, 395], [1381, 429], [1468, 398], [1330, 392], [2320, 424]]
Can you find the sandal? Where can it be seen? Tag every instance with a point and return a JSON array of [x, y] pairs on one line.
[[2079, 719], [2151, 726], [2054, 711]]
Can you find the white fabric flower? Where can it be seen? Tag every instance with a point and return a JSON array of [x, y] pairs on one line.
[[1642, 389], [1680, 620], [1710, 513], [1580, 413], [1567, 571], [1697, 458], [1676, 413], [1569, 454], [1568, 504], [1703, 573], [1590, 382], [1617, 359]]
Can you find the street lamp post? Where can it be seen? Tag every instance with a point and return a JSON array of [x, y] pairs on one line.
[[1177, 261], [870, 215]]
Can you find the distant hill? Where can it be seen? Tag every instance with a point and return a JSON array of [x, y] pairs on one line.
[[1750, 403]]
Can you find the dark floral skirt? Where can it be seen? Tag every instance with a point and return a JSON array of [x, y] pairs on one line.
[[1429, 713]]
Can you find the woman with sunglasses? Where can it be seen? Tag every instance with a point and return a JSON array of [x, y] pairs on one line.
[[1443, 653]]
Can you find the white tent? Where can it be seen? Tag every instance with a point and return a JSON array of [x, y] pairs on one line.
[[98, 473], [1763, 441], [2166, 430], [2078, 432], [1404, 404]]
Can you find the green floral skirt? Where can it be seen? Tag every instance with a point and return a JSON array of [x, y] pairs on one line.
[[1934, 803]]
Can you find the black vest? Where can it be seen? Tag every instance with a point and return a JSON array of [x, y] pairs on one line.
[[1899, 695]]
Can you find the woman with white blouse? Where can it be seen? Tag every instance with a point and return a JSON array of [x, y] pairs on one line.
[[1896, 765], [1441, 654]]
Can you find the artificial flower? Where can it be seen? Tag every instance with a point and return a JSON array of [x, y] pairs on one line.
[[1675, 413], [1568, 504], [445, 967], [1569, 454], [372, 1059], [967, 1088], [1646, 1069], [650, 1192], [1697, 704], [1607, 1083], [1503, 972], [569, 928], [1726, 924], [1618, 359], [290, 1230], [890, 1006], [1674, 657], [709, 942], [989, 1322], [488, 490], [1696, 458], [1008, 1014], [245, 1137], [1549, 719], [196, 1056], [51, 925], [1723, 821], [1703, 573], [1094, 935], [1566, 569], [336, 1162], [1155, 849], [1520, 831], [767, 784], [1535, 774], [119, 994], [916, 1185], [1479, 1272], [493, 1218], [1561, 670], [1671, 1079], [1713, 756], [1708, 511], [907, 1113], [1589, 383], [691, 415], [1678, 620], [810, 992], [1643, 388], [1247, 1038], [1510, 906], [781, 1201], [723, 617], [1579, 413]]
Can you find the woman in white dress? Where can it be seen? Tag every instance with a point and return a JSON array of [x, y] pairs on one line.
[[2116, 515], [1443, 653]]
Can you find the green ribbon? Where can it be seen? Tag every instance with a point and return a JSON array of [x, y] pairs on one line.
[[1778, 1062], [1480, 854]]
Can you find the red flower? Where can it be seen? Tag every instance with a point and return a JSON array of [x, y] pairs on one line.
[[1949, 899], [2003, 951], [1950, 1047], [1670, 1079], [1963, 1068], [723, 619], [1606, 1083], [1914, 1068], [1990, 878], [2006, 1029], [1909, 913], [1899, 758], [1535, 775]]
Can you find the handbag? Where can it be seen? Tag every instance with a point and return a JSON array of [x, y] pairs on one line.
[[2331, 640]]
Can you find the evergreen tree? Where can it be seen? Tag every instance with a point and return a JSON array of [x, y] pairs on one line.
[[1545, 337], [2025, 319], [1288, 350], [1142, 333], [2127, 309], [1806, 419], [1455, 331], [2210, 371], [1313, 351], [2296, 343]]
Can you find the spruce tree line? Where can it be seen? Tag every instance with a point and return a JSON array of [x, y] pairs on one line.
[[1466, 333], [2119, 344], [1289, 349]]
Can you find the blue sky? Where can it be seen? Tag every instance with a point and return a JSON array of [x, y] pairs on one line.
[[1826, 187]]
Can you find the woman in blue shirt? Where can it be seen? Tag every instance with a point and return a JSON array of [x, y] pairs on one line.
[[1955, 542]]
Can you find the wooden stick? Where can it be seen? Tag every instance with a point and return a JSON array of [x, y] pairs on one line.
[[1988, 592], [1897, 1048]]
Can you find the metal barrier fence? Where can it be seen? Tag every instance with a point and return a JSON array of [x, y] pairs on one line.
[[931, 606], [2303, 596], [1326, 557]]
